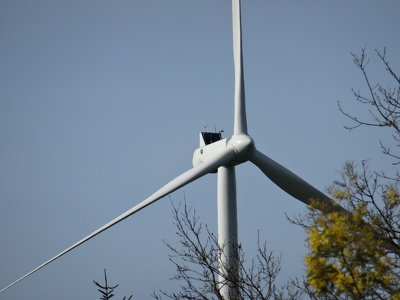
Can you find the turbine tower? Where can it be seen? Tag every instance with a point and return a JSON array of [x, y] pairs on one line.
[[222, 155]]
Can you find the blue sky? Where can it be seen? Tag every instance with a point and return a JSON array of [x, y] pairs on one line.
[[101, 103]]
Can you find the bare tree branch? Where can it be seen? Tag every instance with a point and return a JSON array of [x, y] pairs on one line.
[[383, 100], [198, 260]]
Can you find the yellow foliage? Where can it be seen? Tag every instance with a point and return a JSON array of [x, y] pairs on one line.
[[346, 258], [391, 197]]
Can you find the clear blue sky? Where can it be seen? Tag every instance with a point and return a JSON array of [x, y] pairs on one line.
[[101, 103]]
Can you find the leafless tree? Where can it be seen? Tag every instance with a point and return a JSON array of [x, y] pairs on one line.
[[383, 101], [197, 262]]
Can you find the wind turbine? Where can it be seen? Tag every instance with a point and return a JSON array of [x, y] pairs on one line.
[[222, 155]]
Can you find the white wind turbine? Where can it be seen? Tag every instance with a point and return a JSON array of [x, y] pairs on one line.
[[222, 155]]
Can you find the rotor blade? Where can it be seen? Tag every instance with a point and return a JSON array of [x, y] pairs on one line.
[[301, 190], [291, 183], [240, 123], [222, 158]]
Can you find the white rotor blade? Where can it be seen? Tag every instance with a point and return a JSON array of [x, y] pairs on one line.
[[225, 157], [291, 183], [240, 123]]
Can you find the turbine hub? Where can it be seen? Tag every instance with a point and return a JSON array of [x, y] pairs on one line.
[[243, 145]]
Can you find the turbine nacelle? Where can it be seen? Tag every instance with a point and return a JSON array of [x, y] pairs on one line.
[[212, 144]]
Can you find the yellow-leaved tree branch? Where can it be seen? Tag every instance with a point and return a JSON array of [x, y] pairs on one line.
[[358, 257]]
